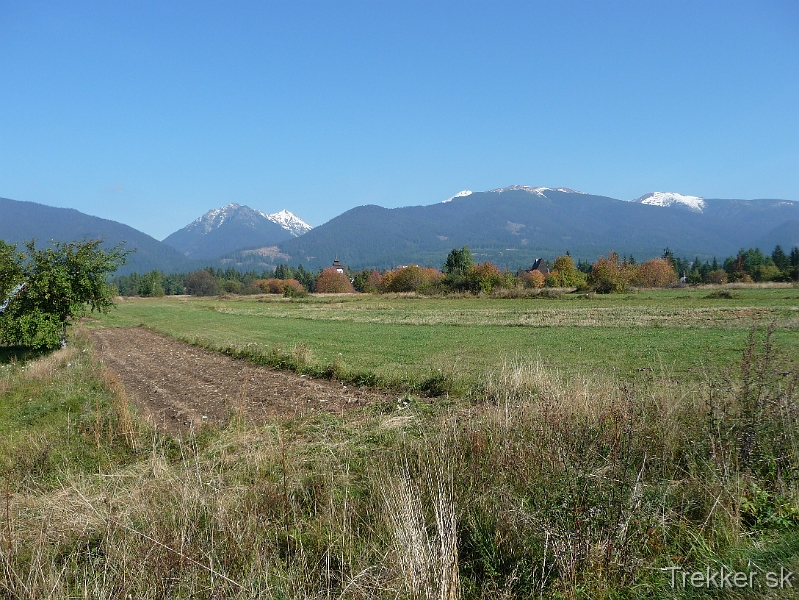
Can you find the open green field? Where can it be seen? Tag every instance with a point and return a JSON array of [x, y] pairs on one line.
[[680, 333], [580, 475]]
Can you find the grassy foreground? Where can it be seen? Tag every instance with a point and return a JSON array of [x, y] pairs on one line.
[[545, 482]]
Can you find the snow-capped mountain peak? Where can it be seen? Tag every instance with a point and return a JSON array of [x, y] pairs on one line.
[[694, 203], [538, 191], [290, 222], [462, 194], [214, 218]]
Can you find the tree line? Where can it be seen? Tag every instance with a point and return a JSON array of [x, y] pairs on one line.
[[460, 273]]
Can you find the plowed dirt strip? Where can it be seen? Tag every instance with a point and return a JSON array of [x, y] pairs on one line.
[[179, 387]]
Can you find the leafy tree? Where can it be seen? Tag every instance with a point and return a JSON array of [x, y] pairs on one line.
[[201, 283], [565, 274], [458, 261], [718, 276], [795, 257], [231, 286], [485, 277], [331, 281], [532, 279], [610, 275], [412, 278], [60, 284], [151, 284], [656, 273]]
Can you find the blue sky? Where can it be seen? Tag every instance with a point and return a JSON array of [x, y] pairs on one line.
[[151, 113]]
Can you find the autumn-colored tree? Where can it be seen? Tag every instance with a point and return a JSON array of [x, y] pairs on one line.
[[373, 282], [656, 273], [330, 281], [412, 278], [278, 286], [611, 275], [564, 274], [486, 277], [532, 279]]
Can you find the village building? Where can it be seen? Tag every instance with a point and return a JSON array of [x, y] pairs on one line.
[[540, 265], [339, 267]]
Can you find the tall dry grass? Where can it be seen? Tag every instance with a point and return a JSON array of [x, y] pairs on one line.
[[542, 486]]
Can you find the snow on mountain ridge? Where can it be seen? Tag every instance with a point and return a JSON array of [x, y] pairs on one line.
[[290, 222], [695, 203], [538, 191], [216, 217], [462, 194]]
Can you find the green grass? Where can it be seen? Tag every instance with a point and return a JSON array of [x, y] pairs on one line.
[[677, 332], [576, 482]]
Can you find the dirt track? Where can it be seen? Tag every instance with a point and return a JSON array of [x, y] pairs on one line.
[[179, 387]]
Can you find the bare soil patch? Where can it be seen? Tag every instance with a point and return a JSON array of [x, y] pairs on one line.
[[179, 387]]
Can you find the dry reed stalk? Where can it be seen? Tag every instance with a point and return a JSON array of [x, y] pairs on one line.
[[427, 561]]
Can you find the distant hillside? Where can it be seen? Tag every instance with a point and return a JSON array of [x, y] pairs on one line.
[[234, 227], [509, 226], [513, 226], [23, 221]]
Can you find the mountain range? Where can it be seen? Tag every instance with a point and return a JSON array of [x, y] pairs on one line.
[[510, 226], [514, 225]]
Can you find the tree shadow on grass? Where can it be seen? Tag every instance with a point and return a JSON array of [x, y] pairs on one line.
[[9, 354]]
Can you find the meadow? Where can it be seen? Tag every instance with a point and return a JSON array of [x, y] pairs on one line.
[[404, 340], [556, 447]]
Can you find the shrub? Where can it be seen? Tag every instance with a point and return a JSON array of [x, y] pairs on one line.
[[331, 281]]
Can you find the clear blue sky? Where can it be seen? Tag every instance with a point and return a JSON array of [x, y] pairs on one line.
[[151, 113]]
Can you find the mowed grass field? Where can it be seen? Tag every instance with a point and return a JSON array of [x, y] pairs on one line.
[[680, 333]]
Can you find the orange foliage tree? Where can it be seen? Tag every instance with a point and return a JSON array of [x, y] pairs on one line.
[[331, 281], [278, 286], [533, 279], [485, 277], [656, 273], [412, 278]]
